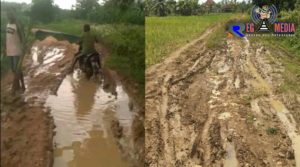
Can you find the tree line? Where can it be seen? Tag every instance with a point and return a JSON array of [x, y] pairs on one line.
[[110, 11], [193, 7]]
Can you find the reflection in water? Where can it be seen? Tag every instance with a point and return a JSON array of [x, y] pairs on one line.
[[84, 96], [109, 84], [83, 113]]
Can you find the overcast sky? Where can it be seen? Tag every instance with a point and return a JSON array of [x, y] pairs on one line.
[[64, 4], [67, 4]]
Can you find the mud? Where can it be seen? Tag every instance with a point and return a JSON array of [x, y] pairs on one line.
[[207, 107], [66, 120], [25, 122]]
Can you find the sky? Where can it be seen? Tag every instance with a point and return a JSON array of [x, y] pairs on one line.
[[64, 4], [67, 4]]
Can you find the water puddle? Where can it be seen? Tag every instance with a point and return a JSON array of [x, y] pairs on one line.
[[43, 58], [83, 113]]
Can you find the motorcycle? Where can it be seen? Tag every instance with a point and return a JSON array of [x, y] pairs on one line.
[[89, 64]]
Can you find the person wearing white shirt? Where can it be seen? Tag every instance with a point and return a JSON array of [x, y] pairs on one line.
[[14, 49]]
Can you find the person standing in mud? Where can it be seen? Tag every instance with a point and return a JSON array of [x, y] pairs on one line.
[[86, 47], [14, 50]]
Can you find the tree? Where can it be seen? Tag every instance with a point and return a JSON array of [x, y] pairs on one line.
[[149, 4], [187, 7], [242, 6], [161, 8], [156, 7], [84, 7], [171, 7], [42, 11], [280, 4], [121, 4]]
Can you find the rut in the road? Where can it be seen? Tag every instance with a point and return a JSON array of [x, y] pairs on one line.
[[212, 108]]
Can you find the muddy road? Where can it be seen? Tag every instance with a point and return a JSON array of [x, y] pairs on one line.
[[220, 107], [65, 120]]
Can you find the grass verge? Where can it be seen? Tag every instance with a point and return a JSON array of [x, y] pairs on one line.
[[127, 47], [164, 34], [291, 75], [291, 63]]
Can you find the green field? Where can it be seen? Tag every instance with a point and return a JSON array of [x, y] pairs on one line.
[[164, 34]]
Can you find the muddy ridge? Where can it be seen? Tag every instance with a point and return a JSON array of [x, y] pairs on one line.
[[26, 124]]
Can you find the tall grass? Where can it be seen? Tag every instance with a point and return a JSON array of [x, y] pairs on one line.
[[164, 34], [127, 46]]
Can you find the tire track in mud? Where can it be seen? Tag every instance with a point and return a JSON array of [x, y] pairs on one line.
[[151, 93], [168, 156], [216, 110], [281, 111]]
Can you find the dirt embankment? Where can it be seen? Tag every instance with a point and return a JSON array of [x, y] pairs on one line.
[[220, 108], [136, 153], [138, 132], [26, 125]]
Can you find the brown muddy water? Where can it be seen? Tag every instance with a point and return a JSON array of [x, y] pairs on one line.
[[83, 111], [93, 119]]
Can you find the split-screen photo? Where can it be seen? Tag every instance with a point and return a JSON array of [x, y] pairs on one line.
[[154, 83]]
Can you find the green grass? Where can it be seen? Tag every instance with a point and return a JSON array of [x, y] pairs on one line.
[[127, 46], [71, 26], [291, 63], [164, 34], [291, 75], [217, 39], [288, 44]]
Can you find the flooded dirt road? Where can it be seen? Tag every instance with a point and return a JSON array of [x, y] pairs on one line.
[[221, 107], [65, 120], [83, 113]]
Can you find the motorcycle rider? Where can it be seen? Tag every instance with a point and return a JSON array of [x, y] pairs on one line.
[[86, 47]]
